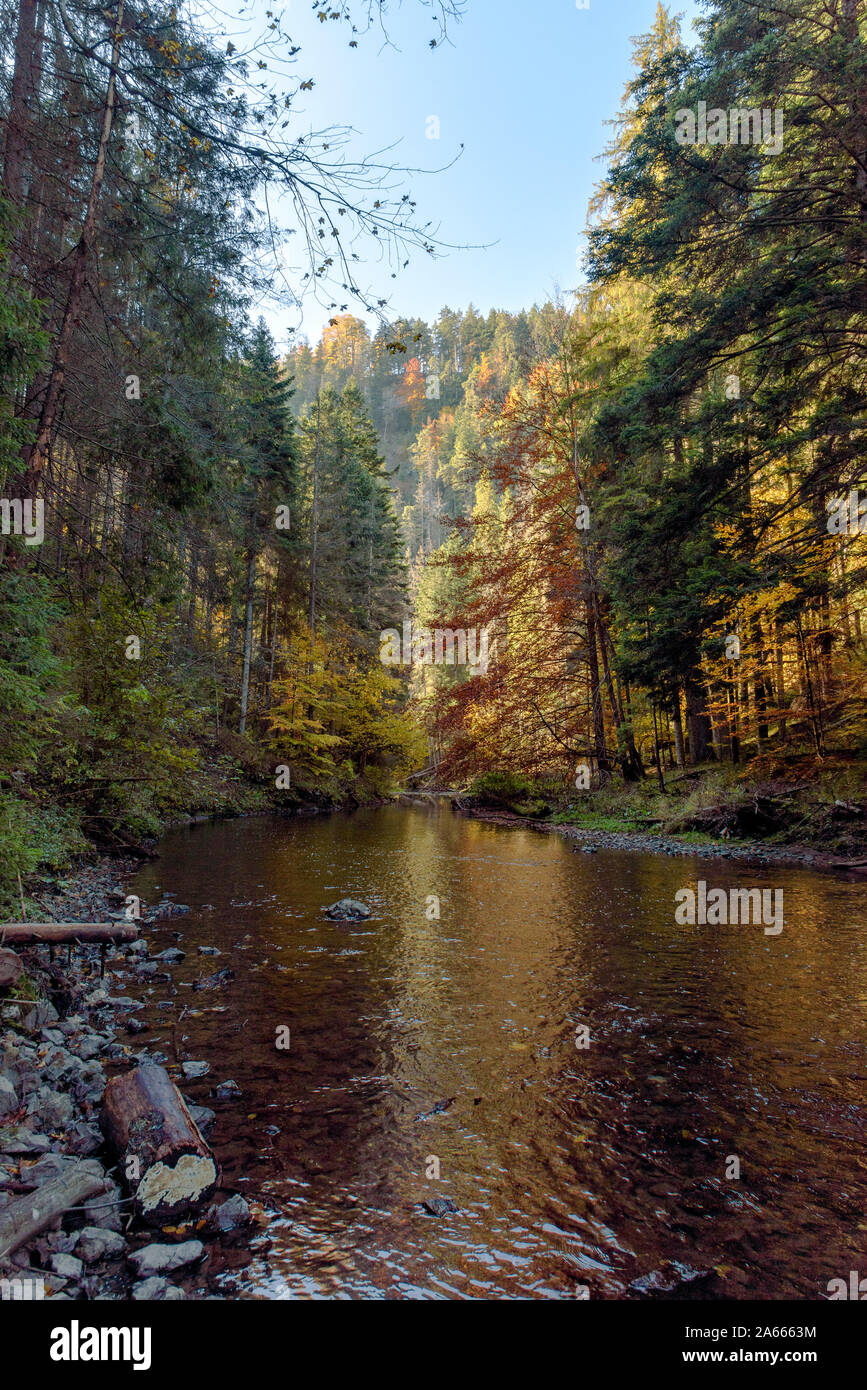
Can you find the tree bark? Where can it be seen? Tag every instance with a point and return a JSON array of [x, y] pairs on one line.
[[26, 1216], [61, 933], [164, 1160], [248, 636], [35, 454]]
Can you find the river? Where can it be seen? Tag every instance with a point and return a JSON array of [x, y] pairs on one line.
[[576, 1170]]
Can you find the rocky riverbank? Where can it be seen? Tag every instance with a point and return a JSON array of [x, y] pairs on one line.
[[748, 851], [65, 1030]]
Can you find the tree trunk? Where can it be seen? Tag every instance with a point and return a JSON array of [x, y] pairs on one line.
[[248, 637], [677, 726], [163, 1158], [600, 751], [697, 721], [35, 454]]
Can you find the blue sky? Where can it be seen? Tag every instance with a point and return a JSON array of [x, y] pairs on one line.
[[527, 90]]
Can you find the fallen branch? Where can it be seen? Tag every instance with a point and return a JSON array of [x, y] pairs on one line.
[[59, 933], [27, 1216]]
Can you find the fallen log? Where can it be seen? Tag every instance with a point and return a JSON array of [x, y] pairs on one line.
[[59, 933], [25, 1217], [166, 1164], [10, 969]]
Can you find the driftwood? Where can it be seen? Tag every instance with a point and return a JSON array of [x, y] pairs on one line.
[[59, 933], [10, 969], [27, 1216], [164, 1161]]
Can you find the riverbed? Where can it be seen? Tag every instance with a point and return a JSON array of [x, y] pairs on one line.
[[618, 1106]]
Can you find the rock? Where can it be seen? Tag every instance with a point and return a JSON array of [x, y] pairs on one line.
[[139, 947], [90, 1083], [227, 1090], [171, 955], [192, 1069], [673, 1275], [39, 1017], [155, 1288], [11, 969], [168, 909], [87, 1047], [347, 910], [146, 967], [8, 1098], [59, 1242], [215, 981], [98, 1243], [162, 1259], [232, 1214], [105, 1210], [67, 1266], [48, 1167], [84, 1139], [438, 1206], [210, 951], [135, 1025], [23, 1141], [589, 849], [53, 1109], [203, 1117]]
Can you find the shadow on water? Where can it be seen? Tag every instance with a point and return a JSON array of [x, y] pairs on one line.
[[570, 1167]]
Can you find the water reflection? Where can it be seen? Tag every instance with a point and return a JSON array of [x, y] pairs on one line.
[[569, 1167]]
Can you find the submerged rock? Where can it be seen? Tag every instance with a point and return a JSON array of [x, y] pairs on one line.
[[191, 1069], [347, 910], [673, 1275], [215, 981], [231, 1214], [202, 1117], [439, 1206], [227, 1090]]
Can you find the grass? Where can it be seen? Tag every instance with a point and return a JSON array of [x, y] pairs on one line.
[[775, 800]]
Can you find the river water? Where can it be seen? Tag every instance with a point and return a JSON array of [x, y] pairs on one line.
[[576, 1170]]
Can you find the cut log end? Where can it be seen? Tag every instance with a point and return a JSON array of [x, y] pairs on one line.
[[165, 1191]]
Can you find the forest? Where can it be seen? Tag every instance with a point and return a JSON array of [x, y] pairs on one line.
[[648, 491]]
